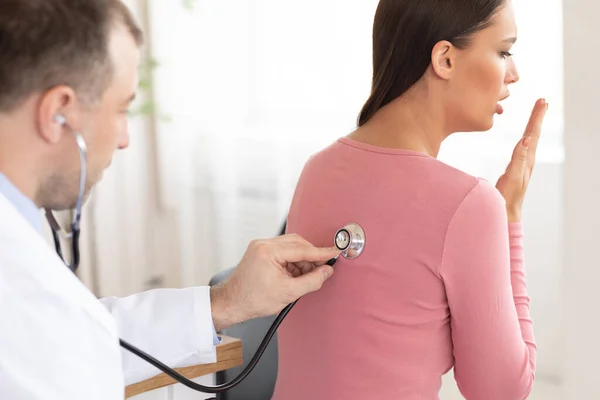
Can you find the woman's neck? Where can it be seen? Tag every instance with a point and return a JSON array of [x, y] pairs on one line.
[[406, 123]]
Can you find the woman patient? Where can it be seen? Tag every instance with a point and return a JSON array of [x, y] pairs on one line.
[[441, 282]]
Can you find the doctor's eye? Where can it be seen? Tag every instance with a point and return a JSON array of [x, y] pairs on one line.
[[505, 54]]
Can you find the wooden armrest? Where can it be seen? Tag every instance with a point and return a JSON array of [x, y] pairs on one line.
[[229, 355]]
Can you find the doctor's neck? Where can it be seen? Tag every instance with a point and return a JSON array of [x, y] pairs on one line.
[[23, 158]]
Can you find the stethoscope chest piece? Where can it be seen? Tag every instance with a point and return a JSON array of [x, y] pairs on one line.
[[350, 240]]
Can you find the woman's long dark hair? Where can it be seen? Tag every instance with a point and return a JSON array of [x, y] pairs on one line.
[[404, 34]]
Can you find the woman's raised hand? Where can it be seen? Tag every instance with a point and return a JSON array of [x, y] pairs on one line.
[[513, 183]]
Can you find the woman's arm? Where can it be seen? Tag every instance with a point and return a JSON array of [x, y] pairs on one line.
[[482, 268]]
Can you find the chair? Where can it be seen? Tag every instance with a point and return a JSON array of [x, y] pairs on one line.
[[260, 384]]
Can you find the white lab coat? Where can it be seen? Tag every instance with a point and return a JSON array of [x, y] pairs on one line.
[[58, 342]]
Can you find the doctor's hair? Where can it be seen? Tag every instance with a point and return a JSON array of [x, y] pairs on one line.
[[47, 43], [404, 34]]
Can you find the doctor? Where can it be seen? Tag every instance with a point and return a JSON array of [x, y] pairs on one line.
[[70, 66]]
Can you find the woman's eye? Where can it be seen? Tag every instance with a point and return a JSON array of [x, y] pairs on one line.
[[505, 54]]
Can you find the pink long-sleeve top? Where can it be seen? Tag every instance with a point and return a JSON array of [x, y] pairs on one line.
[[440, 284]]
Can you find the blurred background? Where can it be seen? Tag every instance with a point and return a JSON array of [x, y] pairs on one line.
[[236, 95]]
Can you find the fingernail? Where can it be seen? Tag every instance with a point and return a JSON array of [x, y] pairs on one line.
[[327, 272], [545, 102]]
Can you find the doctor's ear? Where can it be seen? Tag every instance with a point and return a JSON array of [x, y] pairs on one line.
[[53, 107], [443, 59]]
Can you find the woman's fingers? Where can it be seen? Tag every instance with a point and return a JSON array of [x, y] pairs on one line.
[[534, 129], [532, 135], [519, 160]]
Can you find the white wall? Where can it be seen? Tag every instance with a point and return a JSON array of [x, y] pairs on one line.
[[581, 272]]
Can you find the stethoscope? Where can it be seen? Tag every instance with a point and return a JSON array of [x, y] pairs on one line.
[[349, 240]]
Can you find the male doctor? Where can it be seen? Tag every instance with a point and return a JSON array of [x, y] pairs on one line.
[[66, 67]]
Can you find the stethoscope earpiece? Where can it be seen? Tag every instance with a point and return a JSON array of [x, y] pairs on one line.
[[60, 119], [350, 240]]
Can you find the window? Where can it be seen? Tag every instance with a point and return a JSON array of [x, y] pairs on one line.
[[254, 88]]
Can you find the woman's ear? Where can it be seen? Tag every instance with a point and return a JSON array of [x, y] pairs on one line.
[[443, 59]]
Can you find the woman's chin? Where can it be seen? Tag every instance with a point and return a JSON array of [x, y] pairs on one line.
[[476, 123], [482, 126], [489, 125]]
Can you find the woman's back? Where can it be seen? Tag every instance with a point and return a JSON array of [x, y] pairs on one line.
[[381, 327]]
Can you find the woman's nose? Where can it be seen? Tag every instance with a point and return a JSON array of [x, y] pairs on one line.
[[512, 74]]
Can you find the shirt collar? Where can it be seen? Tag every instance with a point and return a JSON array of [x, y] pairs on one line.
[[22, 203]]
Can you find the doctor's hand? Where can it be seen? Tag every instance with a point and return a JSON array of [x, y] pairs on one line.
[[272, 274], [513, 184]]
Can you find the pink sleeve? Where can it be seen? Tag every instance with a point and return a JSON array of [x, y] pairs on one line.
[[483, 272]]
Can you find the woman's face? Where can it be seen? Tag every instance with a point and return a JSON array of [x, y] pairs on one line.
[[484, 71]]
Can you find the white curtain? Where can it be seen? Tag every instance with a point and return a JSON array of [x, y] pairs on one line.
[[253, 88]]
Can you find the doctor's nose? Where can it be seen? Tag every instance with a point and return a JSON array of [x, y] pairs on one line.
[[123, 140]]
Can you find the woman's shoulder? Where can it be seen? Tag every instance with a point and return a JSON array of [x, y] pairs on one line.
[[428, 175], [484, 198], [471, 191]]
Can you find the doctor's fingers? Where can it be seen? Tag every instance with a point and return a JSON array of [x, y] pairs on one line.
[[288, 238], [295, 252], [310, 281], [300, 268], [294, 270], [291, 238], [295, 238]]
